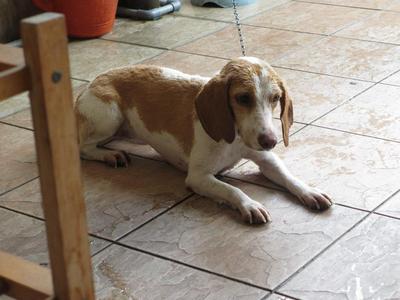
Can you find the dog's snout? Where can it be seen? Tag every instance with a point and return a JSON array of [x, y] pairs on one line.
[[267, 140]]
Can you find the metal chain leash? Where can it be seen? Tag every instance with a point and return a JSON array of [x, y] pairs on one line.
[[239, 27]]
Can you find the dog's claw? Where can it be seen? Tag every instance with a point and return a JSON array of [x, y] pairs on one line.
[[255, 213], [316, 200]]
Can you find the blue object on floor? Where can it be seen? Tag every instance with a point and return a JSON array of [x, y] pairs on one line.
[[221, 3]]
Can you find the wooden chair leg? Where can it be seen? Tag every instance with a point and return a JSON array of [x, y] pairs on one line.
[[46, 55]]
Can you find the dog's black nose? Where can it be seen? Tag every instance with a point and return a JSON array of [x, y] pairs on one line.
[[267, 140]]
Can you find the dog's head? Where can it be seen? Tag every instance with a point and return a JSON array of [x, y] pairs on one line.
[[241, 100]]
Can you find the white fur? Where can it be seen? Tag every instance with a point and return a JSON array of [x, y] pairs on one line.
[[169, 73], [207, 157]]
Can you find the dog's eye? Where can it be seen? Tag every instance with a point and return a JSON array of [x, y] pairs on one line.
[[276, 98], [243, 99]]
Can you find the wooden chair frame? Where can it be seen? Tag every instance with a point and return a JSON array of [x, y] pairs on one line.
[[42, 67]]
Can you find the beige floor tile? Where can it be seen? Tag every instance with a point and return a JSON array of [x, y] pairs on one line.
[[345, 57], [394, 79], [14, 105], [18, 158], [394, 5], [357, 171], [263, 255], [373, 113], [226, 14], [268, 44], [188, 63], [24, 118], [26, 237], [121, 273], [309, 17], [168, 32], [278, 297], [392, 207], [375, 4], [92, 57], [117, 200], [381, 27], [314, 94], [364, 264]]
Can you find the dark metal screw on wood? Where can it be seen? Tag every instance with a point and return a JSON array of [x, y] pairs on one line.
[[56, 76]]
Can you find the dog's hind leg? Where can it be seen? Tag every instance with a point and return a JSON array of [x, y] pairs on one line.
[[98, 121]]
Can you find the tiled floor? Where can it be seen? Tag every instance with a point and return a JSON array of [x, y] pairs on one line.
[[152, 238]]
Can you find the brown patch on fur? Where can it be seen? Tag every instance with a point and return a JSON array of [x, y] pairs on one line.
[[82, 125], [213, 110], [241, 75], [286, 107], [164, 105]]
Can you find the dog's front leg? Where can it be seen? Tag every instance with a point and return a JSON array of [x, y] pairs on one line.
[[207, 185], [274, 169]]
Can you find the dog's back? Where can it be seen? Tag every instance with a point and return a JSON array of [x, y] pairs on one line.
[[156, 104]]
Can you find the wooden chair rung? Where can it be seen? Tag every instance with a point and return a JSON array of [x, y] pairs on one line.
[[13, 81], [22, 279]]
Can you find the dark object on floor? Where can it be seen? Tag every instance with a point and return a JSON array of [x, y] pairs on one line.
[[220, 3], [147, 9], [11, 12]]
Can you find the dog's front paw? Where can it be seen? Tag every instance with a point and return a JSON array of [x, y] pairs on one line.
[[254, 212], [315, 199]]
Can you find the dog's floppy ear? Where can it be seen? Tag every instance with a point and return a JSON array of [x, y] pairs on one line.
[[214, 111], [286, 112]]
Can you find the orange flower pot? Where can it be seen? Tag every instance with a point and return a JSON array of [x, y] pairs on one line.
[[85, 18]]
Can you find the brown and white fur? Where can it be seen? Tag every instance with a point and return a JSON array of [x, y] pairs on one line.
[[200, 125]]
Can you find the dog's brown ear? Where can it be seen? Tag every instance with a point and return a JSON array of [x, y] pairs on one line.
[[214, 111], [286, 112]]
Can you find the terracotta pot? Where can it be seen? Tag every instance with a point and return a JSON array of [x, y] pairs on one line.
[[85, 18]]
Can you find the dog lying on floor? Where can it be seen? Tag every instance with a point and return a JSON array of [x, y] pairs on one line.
[[200, 125]]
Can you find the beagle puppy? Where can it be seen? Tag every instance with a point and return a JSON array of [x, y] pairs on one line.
[[200, 125]]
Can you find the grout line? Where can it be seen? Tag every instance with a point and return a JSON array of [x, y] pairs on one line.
[[324, 74], [187, 265], [141, 225], [21, 213], [351, 98], [266, 296], [354, 133], [174, 46], [279, 294], [242, 18], [359, 7], [365, 40], [285, 295], [303, 267], [134, 44], [15, 125], [390, 84], [79, 79], [156, 216], [386, 215], [341, 5], [18, 186], [287, 30]]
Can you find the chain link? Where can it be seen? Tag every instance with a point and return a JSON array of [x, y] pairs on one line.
[[239, 27]]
